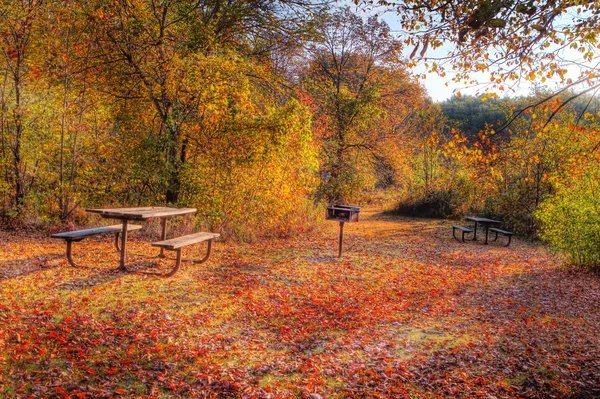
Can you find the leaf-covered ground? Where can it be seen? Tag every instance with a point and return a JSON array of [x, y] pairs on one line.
[[406, 312]]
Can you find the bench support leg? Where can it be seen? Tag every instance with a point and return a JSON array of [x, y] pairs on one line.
[[208, 250], [454, 235], [69, 258], [179, 259], [69, 253], [496, 237], [509, 238], [177, 264]]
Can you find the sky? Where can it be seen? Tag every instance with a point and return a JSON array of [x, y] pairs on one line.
[[441, 89], [438, 88]]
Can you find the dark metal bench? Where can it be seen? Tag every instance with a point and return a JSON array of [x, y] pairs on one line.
[[463, 229], [508, 234], [176, 244], [78, 235]]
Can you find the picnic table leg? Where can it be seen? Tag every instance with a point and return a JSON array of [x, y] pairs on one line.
[[475, 232], [163, 236], [123, 246], [486, 235]]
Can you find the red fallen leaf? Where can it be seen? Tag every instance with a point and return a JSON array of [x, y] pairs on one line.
[[120, 391], [62, 392], [80, 395], [316, 307]]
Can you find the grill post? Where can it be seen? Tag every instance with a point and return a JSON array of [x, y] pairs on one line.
[[341, 239], [342, 214]]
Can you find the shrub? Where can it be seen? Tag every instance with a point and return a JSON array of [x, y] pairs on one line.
[[437, 204], [516, 210], [570, 220]]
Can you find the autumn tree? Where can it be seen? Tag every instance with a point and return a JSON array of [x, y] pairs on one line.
[[76, 115], [363, 96], [150, 48], [18, 25], [51, 123]]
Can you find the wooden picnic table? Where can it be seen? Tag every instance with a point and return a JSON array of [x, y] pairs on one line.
[[485, 222], [140, 214]]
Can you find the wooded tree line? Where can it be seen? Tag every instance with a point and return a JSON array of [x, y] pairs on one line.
[[247, 110]]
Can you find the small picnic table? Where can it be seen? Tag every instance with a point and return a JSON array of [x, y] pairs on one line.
[[141, 214], [485, 222]]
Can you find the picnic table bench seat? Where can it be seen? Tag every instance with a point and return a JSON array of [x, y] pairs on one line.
[[79, 235], [463, 229], [506, 233], [178, 243]]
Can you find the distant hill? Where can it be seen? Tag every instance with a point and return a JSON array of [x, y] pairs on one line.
[[470, 114]]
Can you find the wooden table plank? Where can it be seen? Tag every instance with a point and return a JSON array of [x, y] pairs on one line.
[[169, 212], [141, 213], [96, 230], [175, 243], [481, 220]]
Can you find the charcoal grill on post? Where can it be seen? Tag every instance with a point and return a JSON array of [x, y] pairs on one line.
[[342, 214]]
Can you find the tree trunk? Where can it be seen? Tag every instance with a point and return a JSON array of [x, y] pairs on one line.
[[17, 156], [173, 160]]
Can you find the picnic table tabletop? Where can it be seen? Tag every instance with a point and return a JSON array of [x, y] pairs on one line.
[[143, 213], [481, 220]]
